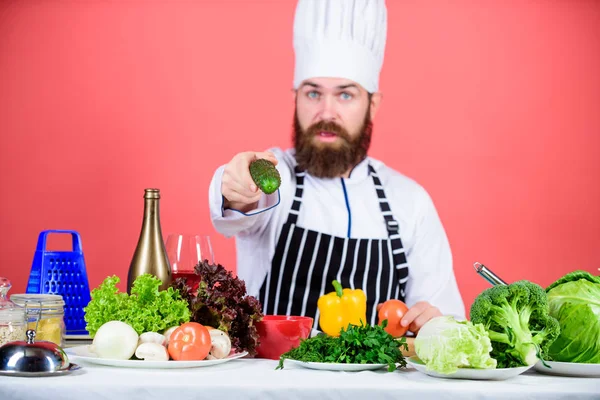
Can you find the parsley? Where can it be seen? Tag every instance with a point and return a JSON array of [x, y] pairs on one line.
[[356, 345]]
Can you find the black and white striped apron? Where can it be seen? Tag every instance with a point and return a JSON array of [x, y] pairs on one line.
[[306, 262]]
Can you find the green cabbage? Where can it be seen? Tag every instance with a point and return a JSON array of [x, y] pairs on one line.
[[445, 344], [574, 301]]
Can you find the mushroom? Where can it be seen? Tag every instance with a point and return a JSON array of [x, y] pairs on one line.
[[221, 344], [152, 337], [152, 352], [168, 332]]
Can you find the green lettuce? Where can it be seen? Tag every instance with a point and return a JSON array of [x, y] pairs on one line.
[[574, 301], [445, 344], [147, 309]]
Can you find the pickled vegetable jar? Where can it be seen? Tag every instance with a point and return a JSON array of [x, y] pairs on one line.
[[49, 309], [12, 317]]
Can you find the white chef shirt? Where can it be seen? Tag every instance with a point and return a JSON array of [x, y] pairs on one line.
[[345, 207]]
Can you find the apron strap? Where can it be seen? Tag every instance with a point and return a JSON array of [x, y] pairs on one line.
[[393, 228], [392, 225], [295, 210]]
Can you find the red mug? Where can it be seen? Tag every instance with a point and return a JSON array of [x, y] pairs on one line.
[[278, 334]]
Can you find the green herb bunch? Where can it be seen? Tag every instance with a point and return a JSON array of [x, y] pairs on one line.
[[363, 344]]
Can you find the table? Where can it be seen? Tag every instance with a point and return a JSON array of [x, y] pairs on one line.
[[258, 379]]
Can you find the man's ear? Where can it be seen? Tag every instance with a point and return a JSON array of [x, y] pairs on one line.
[[375, 103]]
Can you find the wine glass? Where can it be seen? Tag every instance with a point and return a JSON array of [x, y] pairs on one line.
[[185, 251]]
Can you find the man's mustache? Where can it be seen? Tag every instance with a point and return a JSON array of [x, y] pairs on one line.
[[328, 126]]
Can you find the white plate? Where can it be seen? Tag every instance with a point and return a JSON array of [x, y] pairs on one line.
[[569, 369], [470, 373], [335, 366], [83, 354]]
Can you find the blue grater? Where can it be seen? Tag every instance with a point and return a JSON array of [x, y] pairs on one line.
[[63, 273]]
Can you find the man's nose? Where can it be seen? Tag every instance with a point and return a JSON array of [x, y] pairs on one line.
[[328, 111]]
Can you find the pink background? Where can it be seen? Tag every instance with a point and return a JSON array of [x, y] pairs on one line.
[[494, 106]]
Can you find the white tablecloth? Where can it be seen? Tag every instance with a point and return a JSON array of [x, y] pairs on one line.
[[258, 379]]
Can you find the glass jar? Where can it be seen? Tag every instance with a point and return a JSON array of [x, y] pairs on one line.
[[12, 317], [51, 325]]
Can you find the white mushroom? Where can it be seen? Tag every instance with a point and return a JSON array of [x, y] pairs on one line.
[[168, 332], [221, 344], [152, 352], [152, 337]]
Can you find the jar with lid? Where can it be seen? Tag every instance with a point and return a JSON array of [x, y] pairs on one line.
[[12, 317], [49, 309]]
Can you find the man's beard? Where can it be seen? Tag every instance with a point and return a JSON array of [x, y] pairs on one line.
[[325, 160]]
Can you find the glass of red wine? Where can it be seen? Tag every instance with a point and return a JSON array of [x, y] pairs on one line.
[[185, 251]]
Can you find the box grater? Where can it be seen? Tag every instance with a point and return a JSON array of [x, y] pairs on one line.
[[63, 273]]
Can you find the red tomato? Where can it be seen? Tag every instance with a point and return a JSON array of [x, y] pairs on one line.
[[393, 310], [191, 341]]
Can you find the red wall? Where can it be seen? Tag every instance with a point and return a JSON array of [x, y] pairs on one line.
[[493, 106]]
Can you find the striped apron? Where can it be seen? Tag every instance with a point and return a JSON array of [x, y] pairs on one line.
[[306, 262]]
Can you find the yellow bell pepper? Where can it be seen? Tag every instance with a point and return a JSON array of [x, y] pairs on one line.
[[340, 308]]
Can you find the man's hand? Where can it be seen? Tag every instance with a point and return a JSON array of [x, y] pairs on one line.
[[237, 186], [418, 315]]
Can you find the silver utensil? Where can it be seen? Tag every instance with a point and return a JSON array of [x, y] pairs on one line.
[[72, 367], [488, 275], [31, 358]]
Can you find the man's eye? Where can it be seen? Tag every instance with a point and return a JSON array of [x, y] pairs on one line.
[[345, 96], [313, 94]]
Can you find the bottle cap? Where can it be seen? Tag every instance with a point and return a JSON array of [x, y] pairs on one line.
[[152, 194]]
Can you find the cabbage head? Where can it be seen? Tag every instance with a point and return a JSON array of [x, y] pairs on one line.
[[574, 300], [445, 344]]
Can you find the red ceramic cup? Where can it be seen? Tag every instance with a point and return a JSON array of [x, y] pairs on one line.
[[279, 333]]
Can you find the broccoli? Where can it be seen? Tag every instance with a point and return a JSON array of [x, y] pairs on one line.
[[517, 320]]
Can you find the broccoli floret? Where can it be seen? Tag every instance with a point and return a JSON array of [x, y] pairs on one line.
[[517, 320]]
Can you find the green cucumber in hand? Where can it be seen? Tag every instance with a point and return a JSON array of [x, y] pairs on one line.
[[265, 175]]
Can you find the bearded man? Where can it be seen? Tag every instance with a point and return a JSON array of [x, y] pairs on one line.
[[338, 214]]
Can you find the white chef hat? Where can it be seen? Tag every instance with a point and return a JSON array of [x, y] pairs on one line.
[[340, 39]]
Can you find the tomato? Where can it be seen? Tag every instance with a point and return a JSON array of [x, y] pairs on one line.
[[191, 341], [393, 310]]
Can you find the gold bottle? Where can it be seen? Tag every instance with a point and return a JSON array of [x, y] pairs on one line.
[[150, 255]]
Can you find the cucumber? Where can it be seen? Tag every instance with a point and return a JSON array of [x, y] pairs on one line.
[[265, 175]]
